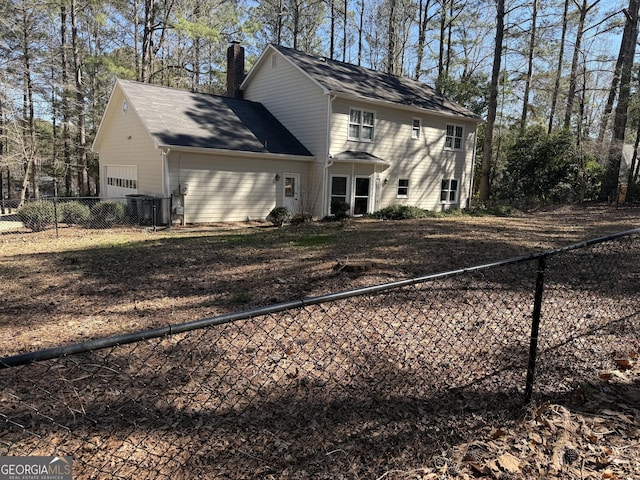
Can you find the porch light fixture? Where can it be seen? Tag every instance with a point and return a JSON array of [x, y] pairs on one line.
[[385, 181], [277, 177]]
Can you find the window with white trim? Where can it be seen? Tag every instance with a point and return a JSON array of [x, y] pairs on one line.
[[403, 188], [361, 125], [416, 126], [453, 138], [449, 191]]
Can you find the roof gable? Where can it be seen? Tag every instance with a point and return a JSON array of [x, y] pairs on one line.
[[345, 79], [180, 118]]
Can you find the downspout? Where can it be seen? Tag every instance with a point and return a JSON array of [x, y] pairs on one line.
[[328, 161], [473, 167], [165, 172]]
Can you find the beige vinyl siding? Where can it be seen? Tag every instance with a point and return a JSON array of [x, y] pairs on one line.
[[424, 161], [228, 189], [293, 99], [125, 141], [302, 107]]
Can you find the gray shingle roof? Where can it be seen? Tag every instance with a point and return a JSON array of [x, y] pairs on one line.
[[352, 80], [180, 118]]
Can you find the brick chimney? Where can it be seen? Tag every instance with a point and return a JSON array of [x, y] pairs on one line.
[[235, 69]]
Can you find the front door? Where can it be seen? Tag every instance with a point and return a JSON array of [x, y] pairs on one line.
[[361, 197], [292, 192], [339, 193]]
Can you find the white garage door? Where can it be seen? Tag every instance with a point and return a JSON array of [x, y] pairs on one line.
[[122, 180]]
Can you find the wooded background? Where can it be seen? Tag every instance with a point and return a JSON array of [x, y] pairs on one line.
[[555, 79]]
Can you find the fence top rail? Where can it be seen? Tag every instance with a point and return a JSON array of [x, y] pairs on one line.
[[133, 337]]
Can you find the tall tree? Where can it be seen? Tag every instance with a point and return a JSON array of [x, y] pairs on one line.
[[484, 187], [611, 98], [422, 21], [531, 56], [556, 86], [81, 134], [584, 8], [629, 40]]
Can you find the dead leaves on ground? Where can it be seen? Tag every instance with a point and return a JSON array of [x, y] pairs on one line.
[[597, 439]]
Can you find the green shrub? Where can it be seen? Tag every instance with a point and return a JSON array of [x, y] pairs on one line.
[[37, 216], [74, 213], [340, 209], [299, 218], [400, 212], [279, 216], [107, 213], [452, 212], [495, 210]]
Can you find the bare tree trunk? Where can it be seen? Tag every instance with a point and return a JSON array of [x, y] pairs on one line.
[[136, 40], [447, 60], [296, 14], [527, 83], [613, 91], [332, 33], [634, 159], [2, 140], [556, 87], [66, 149], [391, 44], [423, 18], [147, 41], [28, 115], [360, 32], [493, 105], [83, 175], [345, 18], [630, 39], [443, 24], [584, 9]]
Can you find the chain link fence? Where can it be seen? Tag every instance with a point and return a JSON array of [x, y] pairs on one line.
[[349, 385], [88, 212]]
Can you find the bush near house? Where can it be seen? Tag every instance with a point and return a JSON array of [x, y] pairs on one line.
[[400, 212], [106, 214], [38, 215], [74, 213], [299, 218], [340, 209], [279, 216]]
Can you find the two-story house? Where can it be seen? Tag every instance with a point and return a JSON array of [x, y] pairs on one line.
[[299, 131]]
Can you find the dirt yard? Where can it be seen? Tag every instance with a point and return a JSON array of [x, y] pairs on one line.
[[88, 284]]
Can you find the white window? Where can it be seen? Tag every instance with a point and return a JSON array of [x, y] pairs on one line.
[[449, 191], [361, 125], [415, 128], [453, 138], [403, 188]]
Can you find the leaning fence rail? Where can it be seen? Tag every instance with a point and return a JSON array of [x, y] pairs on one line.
[[271, 391]]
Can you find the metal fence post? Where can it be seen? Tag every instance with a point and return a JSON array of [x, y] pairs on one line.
[[55, 212], [535, 326]]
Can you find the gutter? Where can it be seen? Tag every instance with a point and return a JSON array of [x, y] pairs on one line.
[[413, 108], [235, 153], [165, 172]]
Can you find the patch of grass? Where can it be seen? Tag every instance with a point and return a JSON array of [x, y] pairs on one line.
[[315, 240], [210, 302], [241, 297], [494, 211]]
